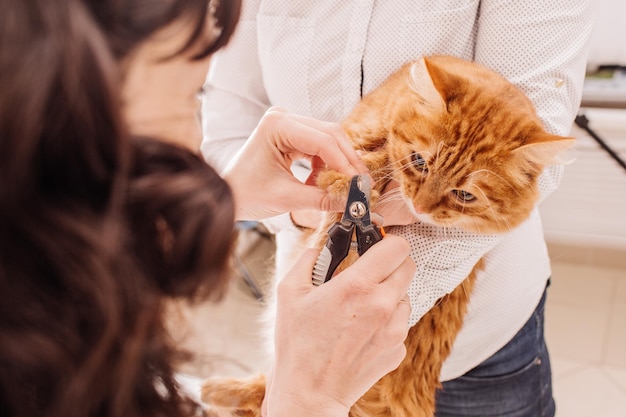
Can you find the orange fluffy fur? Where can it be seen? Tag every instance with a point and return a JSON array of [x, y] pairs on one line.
[[466, 147]]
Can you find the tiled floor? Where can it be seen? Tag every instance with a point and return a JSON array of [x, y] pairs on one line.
[[585, 326], [586, 334], [227, 338]]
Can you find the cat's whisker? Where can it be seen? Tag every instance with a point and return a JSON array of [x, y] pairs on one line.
[[471, 174], [383, 179], [477, 226], [390, 170], [506, 223], [395, 192], [463, 205], [489, 206], [389, 175], [392, 174], [404, 165], [390, 196], [439, 301], [496, 218], [409, 158], [463, 287], [376, 173]]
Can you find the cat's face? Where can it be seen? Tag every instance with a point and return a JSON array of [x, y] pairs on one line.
[[462, 178], [472, 158]]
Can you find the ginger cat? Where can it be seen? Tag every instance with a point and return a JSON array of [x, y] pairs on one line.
[[466, 147]]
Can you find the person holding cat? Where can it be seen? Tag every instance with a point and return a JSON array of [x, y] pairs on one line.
[[319, 59], [107, 213]]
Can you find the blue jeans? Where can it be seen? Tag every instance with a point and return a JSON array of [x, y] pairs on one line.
[[515, 382]]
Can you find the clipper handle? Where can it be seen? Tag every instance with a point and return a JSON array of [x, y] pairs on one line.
[[335, 251], [367, 237]]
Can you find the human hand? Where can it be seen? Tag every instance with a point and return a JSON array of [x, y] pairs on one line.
[[333, 342], [260, 174]]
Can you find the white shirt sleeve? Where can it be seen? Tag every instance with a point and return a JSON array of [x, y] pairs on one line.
[[234, 98]]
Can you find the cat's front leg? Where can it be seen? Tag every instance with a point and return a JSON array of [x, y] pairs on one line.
[[233, 397]]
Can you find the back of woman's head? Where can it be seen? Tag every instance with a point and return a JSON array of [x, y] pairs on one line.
[[129, 22], [96, 227]]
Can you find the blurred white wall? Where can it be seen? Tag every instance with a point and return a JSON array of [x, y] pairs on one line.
[[608, 40], [589, 207]]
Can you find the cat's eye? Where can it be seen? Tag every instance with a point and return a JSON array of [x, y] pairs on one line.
[[464, 195], [419, 162]]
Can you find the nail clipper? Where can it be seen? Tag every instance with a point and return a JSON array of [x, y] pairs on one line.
[[355, 231]]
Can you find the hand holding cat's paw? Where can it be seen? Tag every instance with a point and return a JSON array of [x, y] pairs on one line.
[[266, 159]]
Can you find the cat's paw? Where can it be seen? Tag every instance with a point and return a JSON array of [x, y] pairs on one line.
[[234, 397], [338, 186], [335, 183]]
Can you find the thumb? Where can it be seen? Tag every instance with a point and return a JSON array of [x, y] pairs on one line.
[[393, 249], [311, 197]]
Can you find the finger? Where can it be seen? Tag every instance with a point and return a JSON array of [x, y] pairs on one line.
[[397, 328], [338, 154], [405, 300], [348, 149], [277, 109], [403, 310], [389, 358], [399, 281], [394, 333], [393, 249], [377, 219], [312, 137], [309, 197]]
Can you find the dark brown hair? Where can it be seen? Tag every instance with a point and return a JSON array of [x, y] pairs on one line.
[[125, 22], [97, 229]]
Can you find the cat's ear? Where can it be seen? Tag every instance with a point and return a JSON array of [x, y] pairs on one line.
[[422, 82], [547, 149]]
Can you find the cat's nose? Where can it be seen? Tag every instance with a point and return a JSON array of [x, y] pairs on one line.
[[418, 209]]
